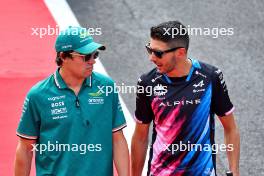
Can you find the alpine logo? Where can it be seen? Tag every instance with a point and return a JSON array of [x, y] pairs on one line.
[[181, 102], [198, 87], [199, 90], [200, 84]]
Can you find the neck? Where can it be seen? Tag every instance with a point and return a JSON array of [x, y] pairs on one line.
[[182, 68], [71, 80]]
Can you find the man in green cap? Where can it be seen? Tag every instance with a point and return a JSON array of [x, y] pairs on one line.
[[74, 128]]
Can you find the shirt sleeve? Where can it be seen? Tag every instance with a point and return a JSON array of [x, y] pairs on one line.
[[119, 121], [143, 113], [221, 104], [29, 122]]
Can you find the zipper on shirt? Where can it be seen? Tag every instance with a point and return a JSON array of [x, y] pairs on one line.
[[77, 102]]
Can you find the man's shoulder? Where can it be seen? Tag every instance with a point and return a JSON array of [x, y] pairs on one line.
[[149, 77], [41, 87], [208, 69], [102, 79]]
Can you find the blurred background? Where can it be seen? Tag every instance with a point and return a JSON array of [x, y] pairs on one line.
[[27, 57]]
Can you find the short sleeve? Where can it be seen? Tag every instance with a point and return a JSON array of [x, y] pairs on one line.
[[29, 122], [143, 113], [221, 104], [119, 121]]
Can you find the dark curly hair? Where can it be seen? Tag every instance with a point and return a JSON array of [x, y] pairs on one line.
[[174, 33], [65, 54]]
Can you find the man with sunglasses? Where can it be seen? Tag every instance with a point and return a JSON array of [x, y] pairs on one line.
[[74, 128], [186, 95]]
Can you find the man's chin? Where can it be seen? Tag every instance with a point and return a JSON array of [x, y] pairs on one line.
[[160, 70], [88, 72]]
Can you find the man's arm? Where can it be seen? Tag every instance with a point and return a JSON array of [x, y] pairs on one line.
[[232, 137], [23, 158], [139, 148], [121, 154]]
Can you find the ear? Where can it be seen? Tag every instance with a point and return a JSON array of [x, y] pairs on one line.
[[62, 55], [181, 52]]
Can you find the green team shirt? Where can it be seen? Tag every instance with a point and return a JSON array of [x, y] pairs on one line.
[[73, 133]]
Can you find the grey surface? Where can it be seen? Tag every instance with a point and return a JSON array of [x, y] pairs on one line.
[[125, 27]]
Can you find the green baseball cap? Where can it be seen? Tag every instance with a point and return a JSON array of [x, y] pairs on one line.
[[77, 39]]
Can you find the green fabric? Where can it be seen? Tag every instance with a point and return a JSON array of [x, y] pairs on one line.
[[77, 39], [52, 116]]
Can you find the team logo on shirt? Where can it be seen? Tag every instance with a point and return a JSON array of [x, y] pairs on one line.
[[56, 98], [181, 102], [160, 90], [154, 79], [96, 98], [95, 94], [208, 171], [199, 73], [119, 106], [25, 105], [200, 84], [221, 78], [58, 109], [198, 87]]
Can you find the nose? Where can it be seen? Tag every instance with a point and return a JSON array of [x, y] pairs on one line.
[[152, 57], [91, 61]]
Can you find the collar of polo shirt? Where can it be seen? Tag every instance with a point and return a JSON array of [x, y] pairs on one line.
[[62, 85]]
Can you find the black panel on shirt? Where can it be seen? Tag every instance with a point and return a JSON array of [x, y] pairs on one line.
[[144, 111], [221, 103]]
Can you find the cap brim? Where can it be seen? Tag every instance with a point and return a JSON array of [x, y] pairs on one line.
[[90, 48]]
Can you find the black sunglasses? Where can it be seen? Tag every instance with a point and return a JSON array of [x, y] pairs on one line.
[[87, 57], [159, 53]]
